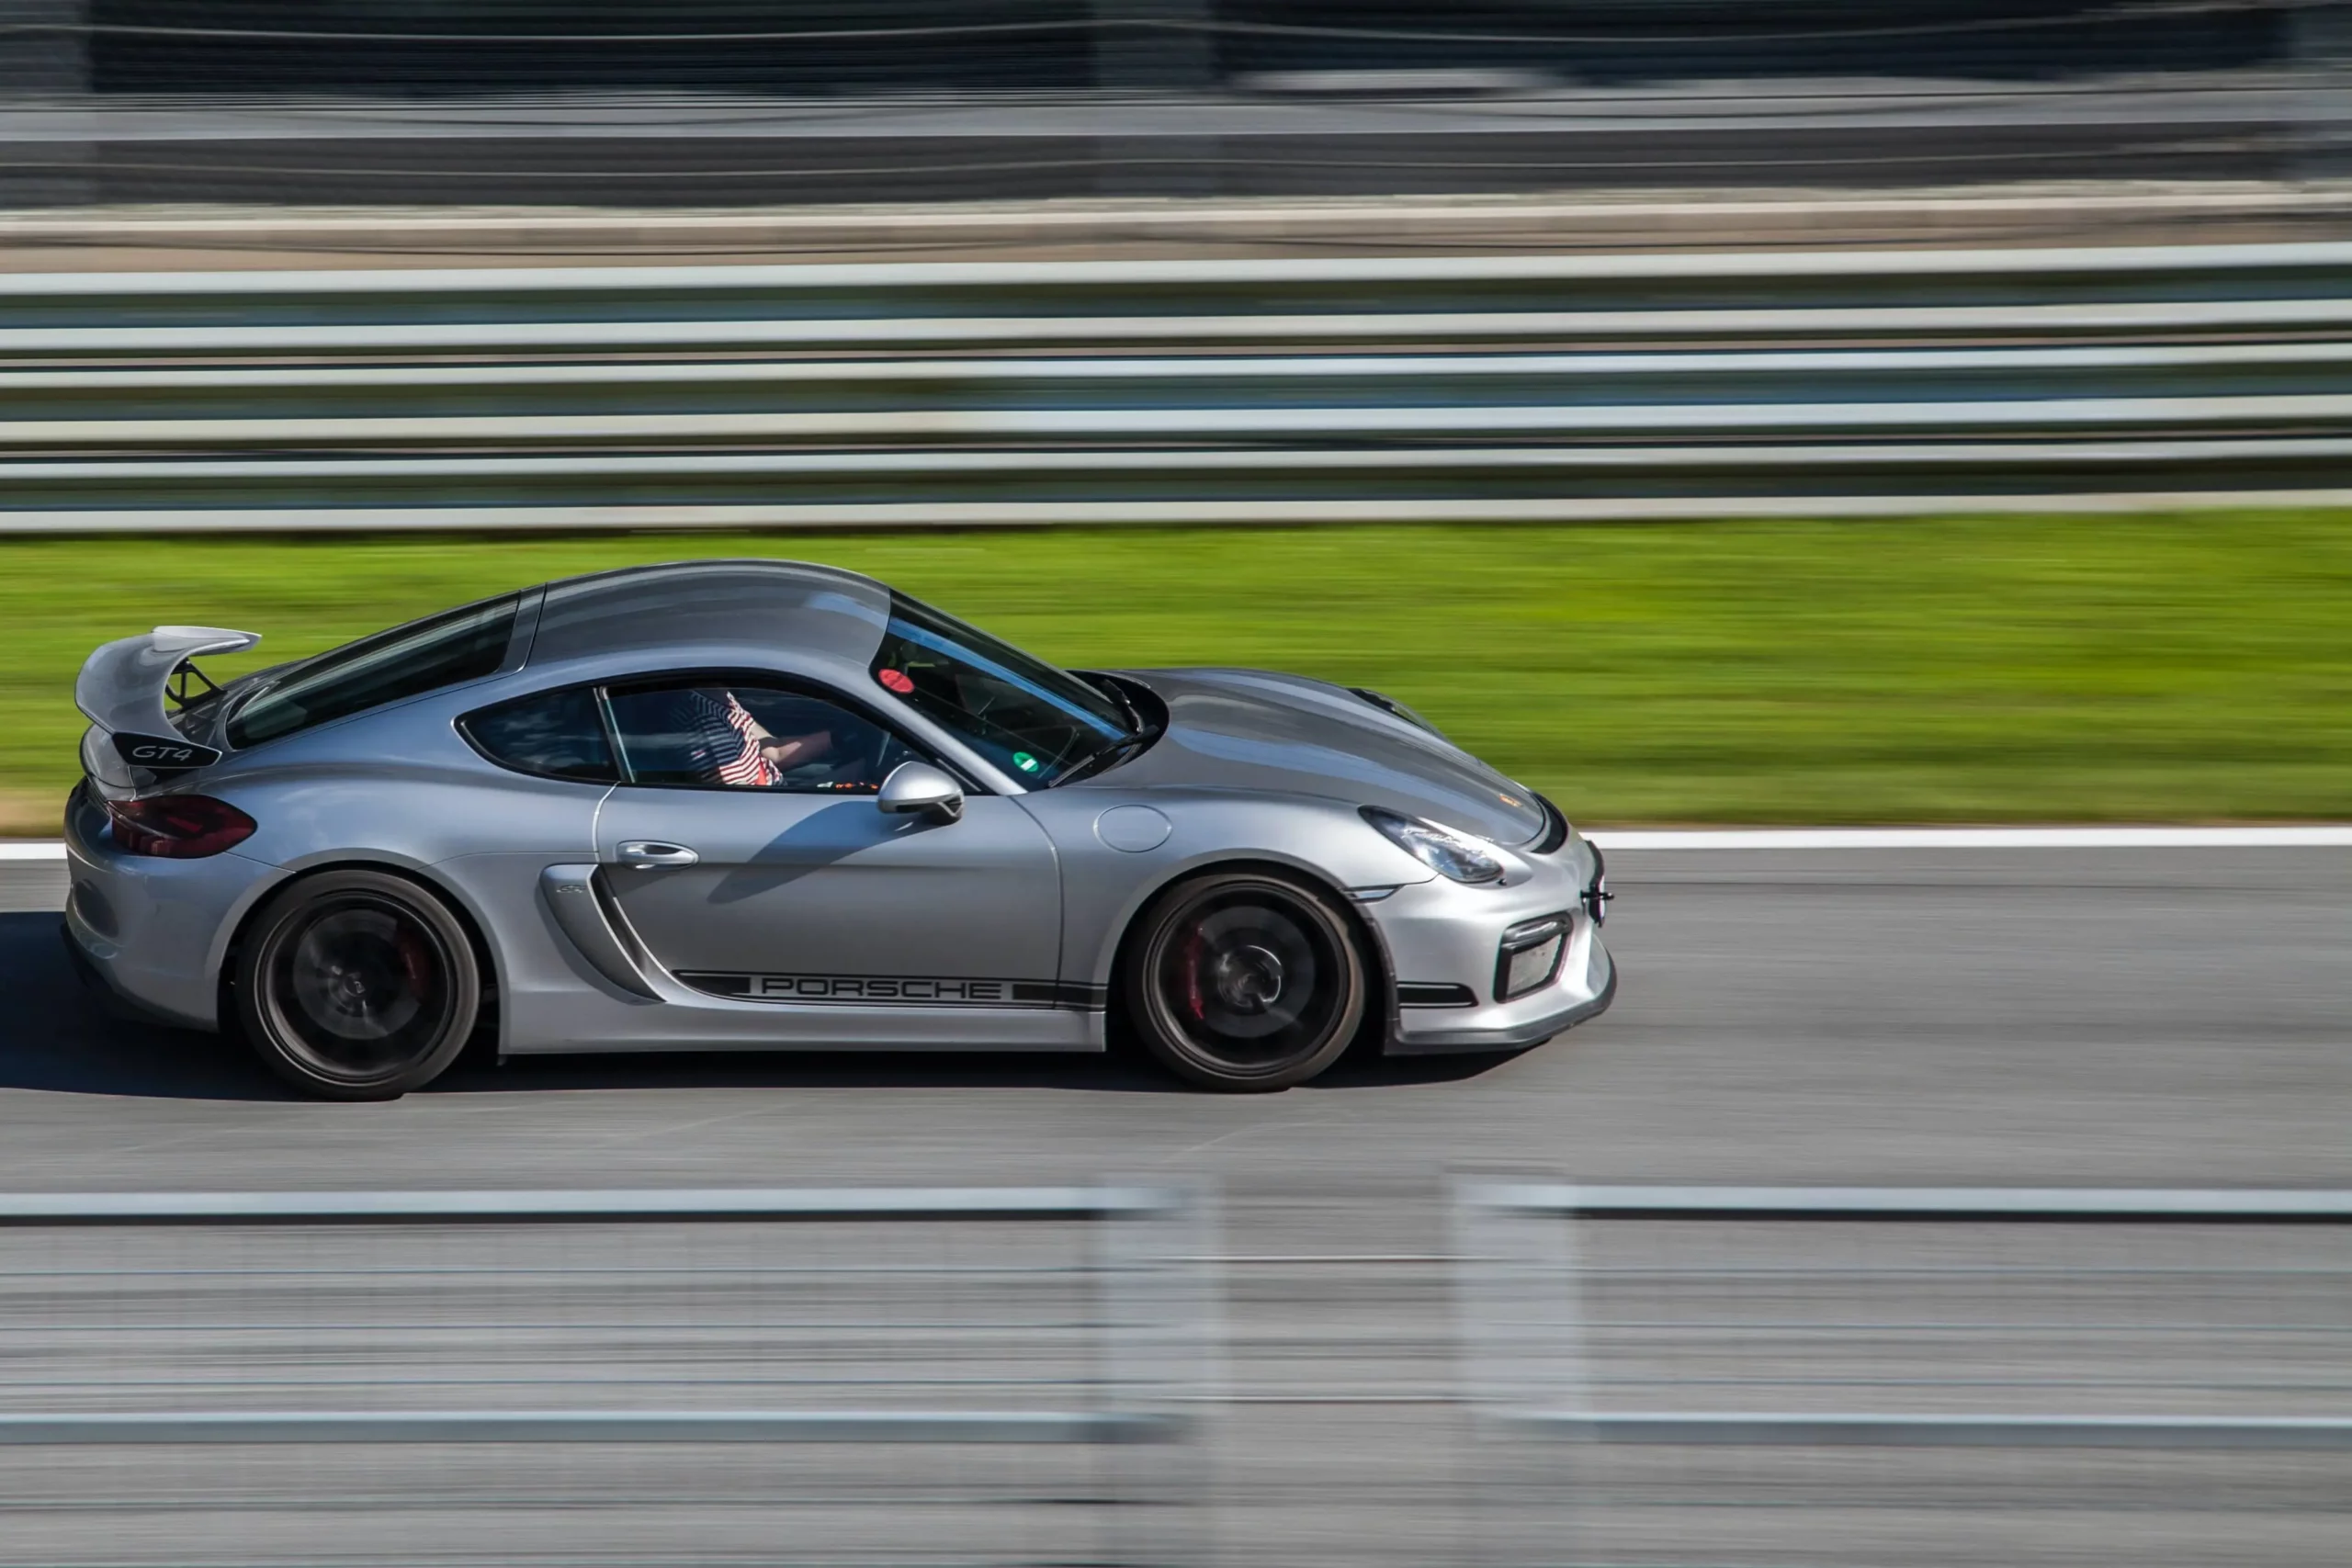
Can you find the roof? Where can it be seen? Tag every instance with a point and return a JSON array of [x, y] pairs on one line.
[[817, 609]]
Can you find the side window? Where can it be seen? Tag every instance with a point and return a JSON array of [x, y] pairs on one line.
[[738, 735], [424, 656], [558, 735]]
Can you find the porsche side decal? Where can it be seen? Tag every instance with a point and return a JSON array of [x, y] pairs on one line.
[[897, 990]]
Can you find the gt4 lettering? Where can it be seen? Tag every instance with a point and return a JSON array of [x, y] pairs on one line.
[[163, 754]]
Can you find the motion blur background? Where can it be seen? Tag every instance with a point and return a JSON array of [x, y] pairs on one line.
[[622, 102], [1845, 411]]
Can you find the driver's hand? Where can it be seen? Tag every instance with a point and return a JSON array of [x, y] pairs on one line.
[[791, 750]]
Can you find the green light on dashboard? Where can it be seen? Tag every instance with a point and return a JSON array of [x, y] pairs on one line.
[[1024, 761]]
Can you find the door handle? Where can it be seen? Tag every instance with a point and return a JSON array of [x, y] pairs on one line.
[[649, 854]]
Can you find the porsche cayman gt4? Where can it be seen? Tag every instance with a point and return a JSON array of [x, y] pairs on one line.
[[762, 806]]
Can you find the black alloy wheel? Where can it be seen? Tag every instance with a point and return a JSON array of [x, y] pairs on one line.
[[356, 984], [1245, 981]]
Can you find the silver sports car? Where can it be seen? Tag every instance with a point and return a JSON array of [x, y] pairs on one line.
[[755, 805]]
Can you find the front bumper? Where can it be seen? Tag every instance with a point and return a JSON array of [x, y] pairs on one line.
[[1516, 1035], [1443, 939]]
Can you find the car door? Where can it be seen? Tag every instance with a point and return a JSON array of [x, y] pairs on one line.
[[746, 849]]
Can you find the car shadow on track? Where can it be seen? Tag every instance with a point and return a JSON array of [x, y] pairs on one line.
[[1120, 1073], [55, 1036]]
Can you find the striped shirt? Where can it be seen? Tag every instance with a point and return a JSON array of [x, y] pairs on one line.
[[721, 740]]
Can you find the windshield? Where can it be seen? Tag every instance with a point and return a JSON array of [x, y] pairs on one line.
[[1036, 722]]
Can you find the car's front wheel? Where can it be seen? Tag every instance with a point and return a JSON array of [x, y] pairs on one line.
[[1245, 980], [356, 984]]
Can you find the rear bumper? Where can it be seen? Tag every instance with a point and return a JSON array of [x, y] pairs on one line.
[[151, 932], [102, 989]]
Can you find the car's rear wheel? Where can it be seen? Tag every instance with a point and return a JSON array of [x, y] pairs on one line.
[[356, 984], [1245, 980]]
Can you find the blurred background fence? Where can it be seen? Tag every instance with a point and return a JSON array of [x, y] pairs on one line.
[[1268, 391], [1740, 1376], [719, 102], [1366, 376], [833, 1376]]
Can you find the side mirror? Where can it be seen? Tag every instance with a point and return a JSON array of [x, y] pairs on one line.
[[920, 789]]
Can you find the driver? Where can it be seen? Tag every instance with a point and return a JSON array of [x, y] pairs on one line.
[[728, 746]]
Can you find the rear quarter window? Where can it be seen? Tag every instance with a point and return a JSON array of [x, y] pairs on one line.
[[407, 661], [555, 734]]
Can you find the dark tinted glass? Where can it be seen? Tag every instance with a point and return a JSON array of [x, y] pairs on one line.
[[424, 656], [1031, 720], [557, 734], [717, 734]]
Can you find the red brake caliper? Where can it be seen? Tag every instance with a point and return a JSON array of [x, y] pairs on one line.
[[416, 962], [1193, 1002]]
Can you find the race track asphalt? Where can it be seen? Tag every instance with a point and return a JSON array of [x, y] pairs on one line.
[[1850, 1016], [2113, 1016]]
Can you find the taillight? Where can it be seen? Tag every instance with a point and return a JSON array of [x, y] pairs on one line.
[[177, 827]]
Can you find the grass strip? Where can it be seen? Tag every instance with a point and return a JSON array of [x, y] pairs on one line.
[[2190, 668]]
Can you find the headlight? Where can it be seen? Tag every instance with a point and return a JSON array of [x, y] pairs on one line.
[[1444, 850]]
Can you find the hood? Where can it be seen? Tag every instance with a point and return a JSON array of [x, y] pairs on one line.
[[1249, 729]]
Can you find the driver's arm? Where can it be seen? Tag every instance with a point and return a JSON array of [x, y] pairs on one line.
[[784, 750], [793, 750]]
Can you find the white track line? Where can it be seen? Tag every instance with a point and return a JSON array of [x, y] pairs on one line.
[[2311, 836]]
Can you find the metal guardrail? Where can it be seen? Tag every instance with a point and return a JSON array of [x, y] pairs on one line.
[[1924, 1205], [965, 1320], [605, 1376], [1516, 1254], [712, 1205], [2069, 1361], [1448, 388], [1151, 1418]]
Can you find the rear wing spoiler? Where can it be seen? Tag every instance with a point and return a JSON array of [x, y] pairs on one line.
[[123, 684]]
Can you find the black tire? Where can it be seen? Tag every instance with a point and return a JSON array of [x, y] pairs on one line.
[[354, 985], [1244, 981]]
